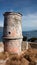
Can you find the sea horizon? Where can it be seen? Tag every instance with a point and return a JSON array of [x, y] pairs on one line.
[[28, 34]]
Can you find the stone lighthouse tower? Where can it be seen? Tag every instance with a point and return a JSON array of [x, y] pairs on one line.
[[12, 32]]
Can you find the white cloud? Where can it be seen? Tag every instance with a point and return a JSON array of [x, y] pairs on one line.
[[29, 21]]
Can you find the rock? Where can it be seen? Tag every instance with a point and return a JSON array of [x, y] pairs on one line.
[[1, 47]]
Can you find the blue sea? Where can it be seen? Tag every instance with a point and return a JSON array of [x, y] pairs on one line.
[[28, 34]]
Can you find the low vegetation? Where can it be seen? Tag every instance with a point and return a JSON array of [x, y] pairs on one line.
[[26, 58], [24, 38], [32, 39]]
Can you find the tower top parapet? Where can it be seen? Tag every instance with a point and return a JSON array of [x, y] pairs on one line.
[[12, 13]]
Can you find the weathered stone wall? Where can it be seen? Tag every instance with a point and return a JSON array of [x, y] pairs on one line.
[[12, 25], [13, 46], [12, 33]]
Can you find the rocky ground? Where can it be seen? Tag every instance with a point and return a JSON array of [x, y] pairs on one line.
[[27, 57]]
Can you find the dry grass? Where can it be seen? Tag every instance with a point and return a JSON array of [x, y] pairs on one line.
[[27, 57]]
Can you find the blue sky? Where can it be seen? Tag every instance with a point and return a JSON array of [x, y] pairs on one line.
[[28, 8]]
